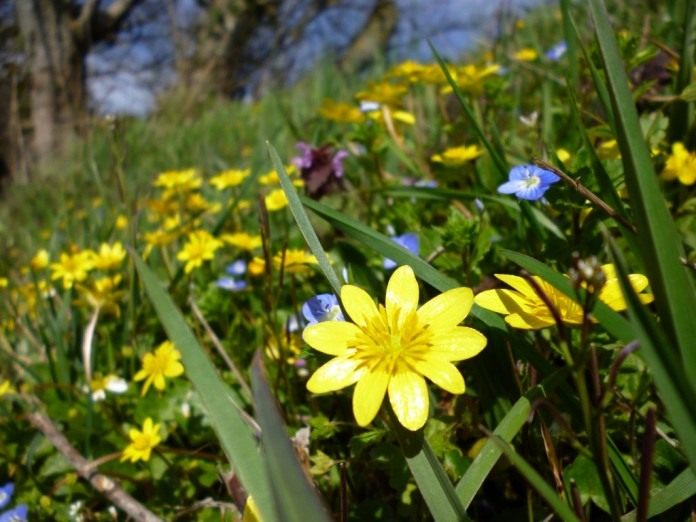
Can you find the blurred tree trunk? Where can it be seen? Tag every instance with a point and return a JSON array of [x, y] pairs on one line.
[[372, 38], [57, 35]]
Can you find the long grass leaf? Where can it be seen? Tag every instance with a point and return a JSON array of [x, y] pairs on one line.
[[682, 488], [296, 499], [658, 238], [303, 222], [234, 435]]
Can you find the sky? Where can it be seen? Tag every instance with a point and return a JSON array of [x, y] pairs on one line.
[[125, 76]]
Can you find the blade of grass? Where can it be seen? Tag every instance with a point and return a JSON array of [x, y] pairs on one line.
[[563, 510], [433, 483], [658, 238], [296, 499], [679, 490], [668, 371], [303, 222], [507, 429], [235, 437], [681, 114]]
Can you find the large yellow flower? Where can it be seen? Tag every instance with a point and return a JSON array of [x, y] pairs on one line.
[[242, 240], [229, 178], [157, 366], [340, 111], [109, 256], [392, 349], [525, 309], [200, 247], [72, 267], [142, 442]]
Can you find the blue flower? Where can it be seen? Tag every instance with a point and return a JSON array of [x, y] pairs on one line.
[[322, 307], [6, 492], [237, 268], [528, 182], [557, 51], [16, 514], [231, 284], [409, 241]]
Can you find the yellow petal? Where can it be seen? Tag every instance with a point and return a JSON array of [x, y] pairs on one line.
[[408, 396], [338, 373], [331, 337], [442, 373], [528, 322], [368, 395], [358, 304], [495, 300], [447, 309], [174, 369], [402, 295], [457, 344], [159, 382], [520, 284]]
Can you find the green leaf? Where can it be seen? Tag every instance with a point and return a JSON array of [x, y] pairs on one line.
[[303, 222], [296, 499], [234, 434], [658, 238]]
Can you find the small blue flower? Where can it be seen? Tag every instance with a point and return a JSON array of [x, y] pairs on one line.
[[6, 492], [528, 182], [556, 52], [231, 284], [237, 268], [16, 514], [409, 241], [322, 307]]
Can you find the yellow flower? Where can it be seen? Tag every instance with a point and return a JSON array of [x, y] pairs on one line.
[[229, 178], [383, 92], [4, 282], [251, 511], [469, 77], [563, 155], [680, 165], [242, 240], [609, 150], [72, 267], [340, 112], [525, 309], [276, 200], [256, 266], [294, 260], [142, 442], [179, 180], [409, 70], [109, 256], [159, 238], [40, 260], [121, 222], [157, 365], [456, 156], [392, 349], [200, 247], [103, 294], [111, 383], [271, 177], [6, 388], [526, 55]]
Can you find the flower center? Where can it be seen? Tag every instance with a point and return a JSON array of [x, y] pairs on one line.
[[532, 181]]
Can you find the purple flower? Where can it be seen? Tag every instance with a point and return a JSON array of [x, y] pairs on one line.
[[528, 182], [322, 307], [556, 52], [16, 514], [6, 492], [237, 268], [409, 241], [321, 169]]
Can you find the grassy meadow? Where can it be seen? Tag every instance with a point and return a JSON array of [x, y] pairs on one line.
[[449, 291]]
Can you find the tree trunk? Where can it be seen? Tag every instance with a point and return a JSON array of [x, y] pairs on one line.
[[56, 68]]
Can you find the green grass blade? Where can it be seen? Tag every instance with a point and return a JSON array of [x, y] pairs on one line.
[[535, 480], [507, 429], [234, 435], [296, 499], [681, 114], [675, 388], [432, 480], [388, 248], [303, 222], [658, 238], [679, 490], [497, 157]]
